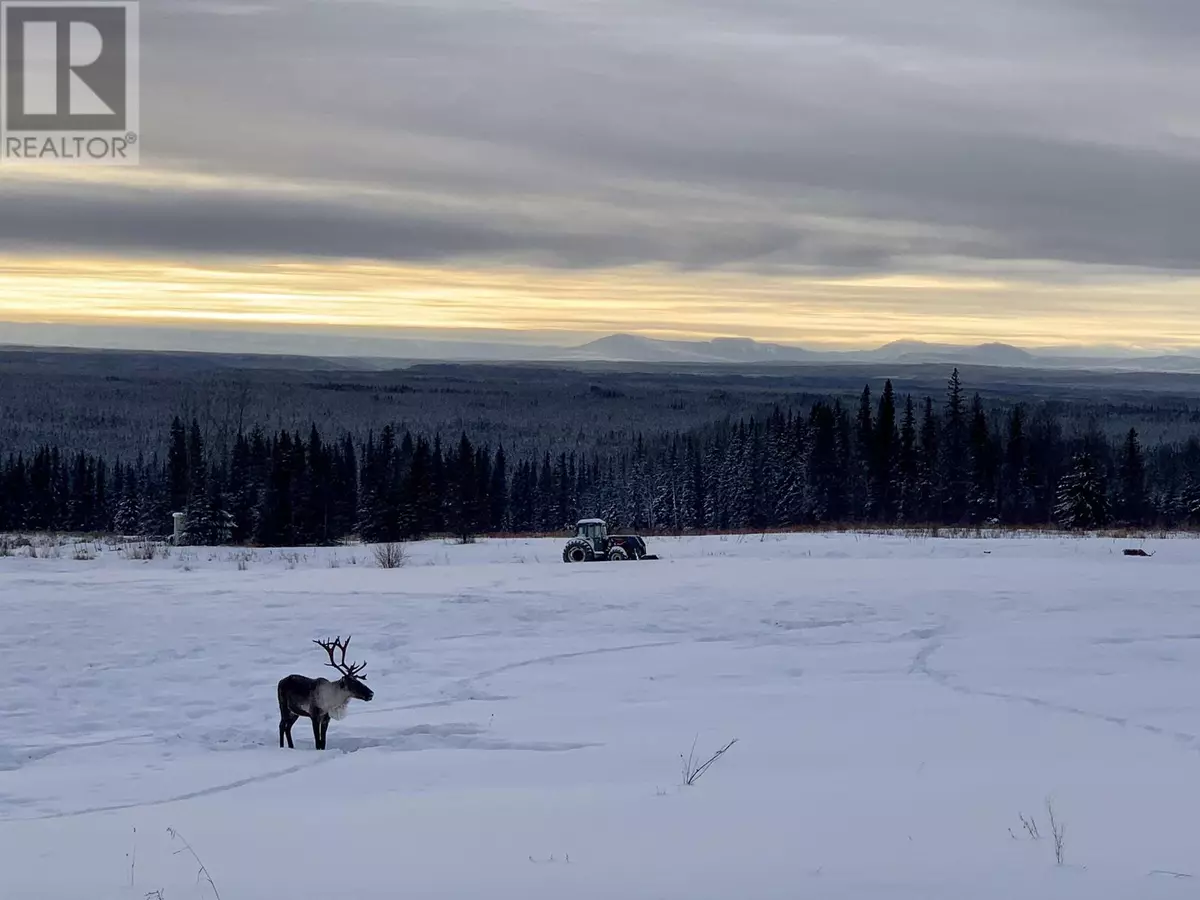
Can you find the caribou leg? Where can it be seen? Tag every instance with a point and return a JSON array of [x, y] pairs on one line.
[[285, 729], [286, 718]]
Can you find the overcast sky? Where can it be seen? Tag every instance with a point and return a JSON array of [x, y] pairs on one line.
[[1040, 145]]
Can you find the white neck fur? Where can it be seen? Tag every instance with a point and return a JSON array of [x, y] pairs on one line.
[[333, 699]]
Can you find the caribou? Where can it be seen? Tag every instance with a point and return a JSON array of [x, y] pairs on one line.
[[319, 698]]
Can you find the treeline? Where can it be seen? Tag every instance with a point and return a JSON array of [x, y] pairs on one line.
[[890, 460]]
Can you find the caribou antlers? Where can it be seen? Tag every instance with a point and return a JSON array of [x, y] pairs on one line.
[[354, 669]]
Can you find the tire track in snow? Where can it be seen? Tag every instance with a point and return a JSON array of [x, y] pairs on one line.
[[464, 684], [28, 754], [163, 801], [424, 704], [920, 666], [555, 657]]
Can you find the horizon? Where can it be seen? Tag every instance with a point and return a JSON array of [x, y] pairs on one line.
[[473, 345]]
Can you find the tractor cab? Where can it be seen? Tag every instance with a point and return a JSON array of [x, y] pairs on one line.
[[595, 532]]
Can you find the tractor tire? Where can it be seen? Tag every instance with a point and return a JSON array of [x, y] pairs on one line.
[[617, 554], [578, 551]]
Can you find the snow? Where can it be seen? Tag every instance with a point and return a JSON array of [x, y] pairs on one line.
[[898, 702]]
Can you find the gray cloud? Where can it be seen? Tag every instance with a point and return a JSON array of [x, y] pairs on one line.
[[246, 223], [759, 134]]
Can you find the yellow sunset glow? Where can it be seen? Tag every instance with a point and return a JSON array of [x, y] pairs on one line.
[[651, 301]]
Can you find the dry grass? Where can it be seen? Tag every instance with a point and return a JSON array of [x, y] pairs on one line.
[[143, 550], [202, 873], [692, 767]]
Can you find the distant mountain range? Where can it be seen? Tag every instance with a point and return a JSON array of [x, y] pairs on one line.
[[384, 351], [634, 348]]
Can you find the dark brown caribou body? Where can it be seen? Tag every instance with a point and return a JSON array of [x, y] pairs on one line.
[[319, 698]]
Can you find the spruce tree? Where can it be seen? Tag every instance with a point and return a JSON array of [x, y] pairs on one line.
[[929, 484], [981, 499], [463, 483], [826, 476], [907, 507], [498, 493], [699, 494], [884, 458], [1131, 498], [178, 488], [955, 475], [126, 520], [863, 453], [200, 525], [1082, 497], [1015, 500]]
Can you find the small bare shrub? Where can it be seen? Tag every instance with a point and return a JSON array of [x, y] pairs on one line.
[[390, 555], [1058, 830], [83, 553], [334, 562], [693, 768]]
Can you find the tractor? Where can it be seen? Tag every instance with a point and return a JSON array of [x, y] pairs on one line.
[[592, 541]]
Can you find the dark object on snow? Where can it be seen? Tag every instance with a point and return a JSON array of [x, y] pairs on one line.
[[319, 698], [1136, 553], [592, 541]]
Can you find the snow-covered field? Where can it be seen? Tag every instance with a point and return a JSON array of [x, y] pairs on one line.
[[899, 704]]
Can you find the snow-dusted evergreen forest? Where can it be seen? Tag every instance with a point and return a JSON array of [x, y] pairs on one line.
[[943, 457]]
